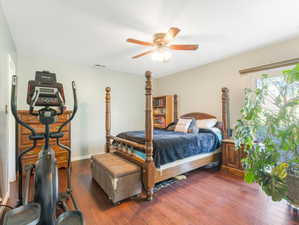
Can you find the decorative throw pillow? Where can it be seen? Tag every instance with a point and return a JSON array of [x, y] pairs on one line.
[[183, 125], [193, 128], [207, 123]]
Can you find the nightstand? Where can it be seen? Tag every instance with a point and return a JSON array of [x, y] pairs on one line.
[[231, 158]]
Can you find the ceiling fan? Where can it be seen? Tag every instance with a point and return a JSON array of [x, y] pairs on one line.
[[161, 44]]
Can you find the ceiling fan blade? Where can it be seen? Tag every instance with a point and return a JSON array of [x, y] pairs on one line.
[[142, 54], [134, 41], [172, 33], [183, 47]]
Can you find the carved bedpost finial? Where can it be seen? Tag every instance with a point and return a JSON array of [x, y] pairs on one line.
[[225, 111], [108, 96], [148, 83], [108, 117], [148, 74], [225, 91]]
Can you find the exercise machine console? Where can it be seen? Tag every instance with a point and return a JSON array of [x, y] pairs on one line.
[[46, 100]]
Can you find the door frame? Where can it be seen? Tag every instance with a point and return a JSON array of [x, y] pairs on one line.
[[11, 125]]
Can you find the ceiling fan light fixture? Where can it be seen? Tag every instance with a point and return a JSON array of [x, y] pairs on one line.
[[161, 43], [162, 55], [167, 38]]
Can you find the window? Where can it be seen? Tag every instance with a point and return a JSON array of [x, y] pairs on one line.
[[279, 95], [277, 84]]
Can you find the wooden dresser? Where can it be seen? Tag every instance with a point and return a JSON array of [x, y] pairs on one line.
[[23, 141], [231, 158], [163, 107]]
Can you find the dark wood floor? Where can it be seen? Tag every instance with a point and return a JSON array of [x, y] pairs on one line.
[[205, 198]]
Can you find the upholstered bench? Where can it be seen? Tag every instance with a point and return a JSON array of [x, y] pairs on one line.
[[119, 178]]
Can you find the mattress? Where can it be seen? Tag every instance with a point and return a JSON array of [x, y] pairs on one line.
[[188, 159], [170, 146]]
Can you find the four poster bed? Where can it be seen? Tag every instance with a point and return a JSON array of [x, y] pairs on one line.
[[157, 160]]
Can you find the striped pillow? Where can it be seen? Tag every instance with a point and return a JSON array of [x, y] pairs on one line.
[[183, 125]]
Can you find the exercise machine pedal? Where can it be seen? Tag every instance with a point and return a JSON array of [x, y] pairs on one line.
[[24, 215], [62, 199], [73, 217], [63, 196]]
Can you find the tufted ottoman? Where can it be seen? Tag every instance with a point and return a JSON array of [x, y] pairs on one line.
[[119, 178]]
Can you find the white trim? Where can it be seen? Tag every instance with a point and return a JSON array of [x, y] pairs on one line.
[[271, 73], [81, 157], [11, 124]]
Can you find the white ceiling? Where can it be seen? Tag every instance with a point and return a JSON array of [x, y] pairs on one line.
[[94, 31]]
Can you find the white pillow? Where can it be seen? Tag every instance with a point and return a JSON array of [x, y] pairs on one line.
[[183, 125], [207, 123]]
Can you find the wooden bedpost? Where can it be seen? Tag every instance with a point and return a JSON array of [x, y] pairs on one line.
[[175, 106], [149, 170], [225, 112], [108, 118]]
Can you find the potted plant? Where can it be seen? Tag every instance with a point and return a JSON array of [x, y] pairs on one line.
[[268, 131]]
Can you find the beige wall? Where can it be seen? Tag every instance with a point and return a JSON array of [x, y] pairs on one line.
[[88, 135], [199, 89]]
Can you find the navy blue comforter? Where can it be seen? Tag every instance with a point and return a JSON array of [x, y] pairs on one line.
[[170, 146]]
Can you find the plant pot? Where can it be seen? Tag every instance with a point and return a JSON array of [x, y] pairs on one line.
[[293, 190]]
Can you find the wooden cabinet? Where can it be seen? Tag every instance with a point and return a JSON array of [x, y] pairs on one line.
[[23, 141], [163, 111], [231, 158]]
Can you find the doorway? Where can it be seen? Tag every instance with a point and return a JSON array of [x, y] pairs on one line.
[[11, 125]]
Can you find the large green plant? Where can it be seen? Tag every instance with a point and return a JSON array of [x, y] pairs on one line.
[[268, 130]]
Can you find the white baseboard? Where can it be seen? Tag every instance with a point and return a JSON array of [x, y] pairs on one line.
[[81, 157]]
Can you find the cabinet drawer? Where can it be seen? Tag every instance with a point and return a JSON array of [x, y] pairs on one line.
[[24, 138], [61, 158], [40, 128], [36, 150], [24, 142], [62, 164], [28, 118]]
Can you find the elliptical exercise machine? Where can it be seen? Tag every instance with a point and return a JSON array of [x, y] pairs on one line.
[[47, 94]]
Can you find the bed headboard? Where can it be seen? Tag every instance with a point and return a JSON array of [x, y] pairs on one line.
[[223, 125], [198, 116], [203, 116]]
